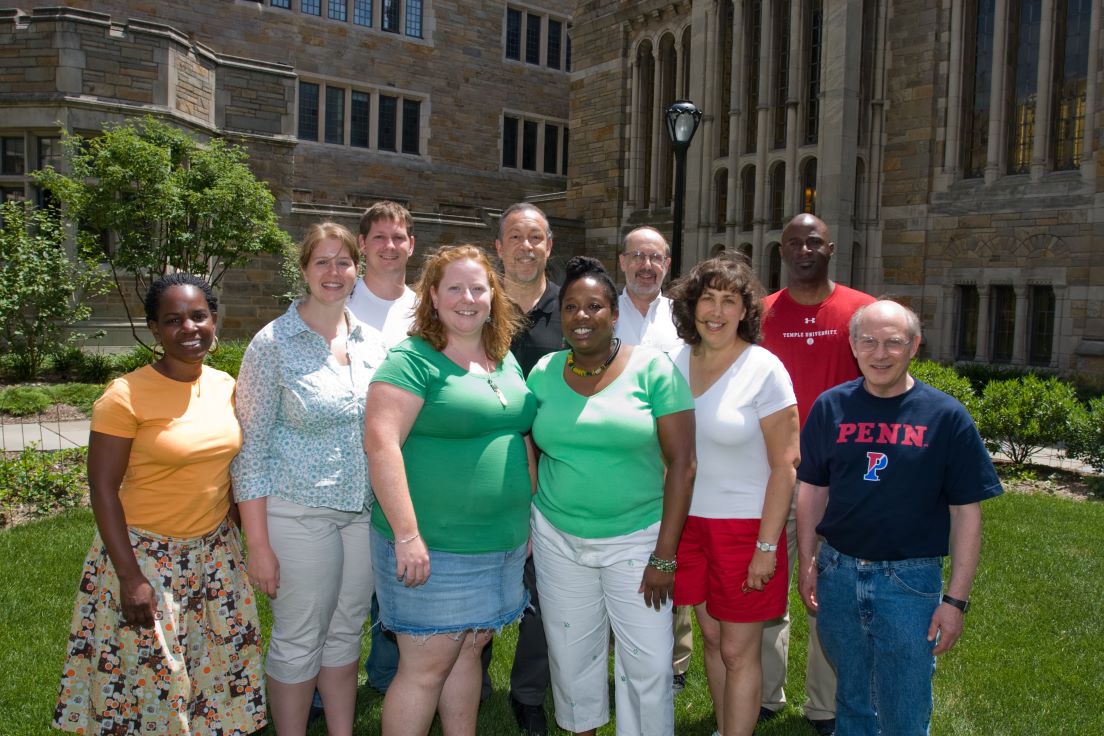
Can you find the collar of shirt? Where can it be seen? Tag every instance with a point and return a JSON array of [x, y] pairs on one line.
[[292, 324]]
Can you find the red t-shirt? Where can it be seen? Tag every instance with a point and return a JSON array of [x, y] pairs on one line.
[[812, 341]]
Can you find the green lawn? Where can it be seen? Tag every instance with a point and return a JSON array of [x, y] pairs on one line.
[[1029, 663]]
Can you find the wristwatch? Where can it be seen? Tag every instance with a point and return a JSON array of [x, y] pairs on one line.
[[765, 546], [959, 604]]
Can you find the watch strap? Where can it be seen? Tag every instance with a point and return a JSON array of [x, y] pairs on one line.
[[957, 603]]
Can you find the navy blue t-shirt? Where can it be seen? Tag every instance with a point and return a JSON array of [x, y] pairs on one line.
[[893, 467]]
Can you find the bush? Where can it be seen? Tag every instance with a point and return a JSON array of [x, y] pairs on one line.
[[947, 380], [133, 359], [1021, 416], [67, 361], [1086, 440], [79, 395], [228, 357], [41, 287], [43, 481], [96, 368], [19, 401]]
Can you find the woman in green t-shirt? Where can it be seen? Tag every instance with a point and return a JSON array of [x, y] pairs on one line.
[[451, 465], [615, 426]]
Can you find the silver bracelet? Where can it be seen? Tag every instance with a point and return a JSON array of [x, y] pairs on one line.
[[408, 540]]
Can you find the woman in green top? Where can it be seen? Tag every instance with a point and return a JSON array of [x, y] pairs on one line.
[[451, 465], [615, 425]]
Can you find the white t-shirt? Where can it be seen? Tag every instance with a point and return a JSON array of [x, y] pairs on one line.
[[732, 455], [656, 328], [389, 319]]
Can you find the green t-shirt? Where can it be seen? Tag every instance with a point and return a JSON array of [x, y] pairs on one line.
[[601, 468], [465, 457]]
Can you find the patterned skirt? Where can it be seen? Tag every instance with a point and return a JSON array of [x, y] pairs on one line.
[[197, 671]]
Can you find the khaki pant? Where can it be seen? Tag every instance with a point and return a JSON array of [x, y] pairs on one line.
[[820, 678], [684, 639]]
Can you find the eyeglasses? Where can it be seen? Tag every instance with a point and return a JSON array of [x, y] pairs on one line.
[[892, 345], [638, 258]]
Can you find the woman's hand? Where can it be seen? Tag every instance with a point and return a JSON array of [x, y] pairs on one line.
[[139, 601], [657, 587], [411, 562], [760, 570], [264, 569]]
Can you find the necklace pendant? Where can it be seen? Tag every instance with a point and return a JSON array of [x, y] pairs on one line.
[[498, 392]]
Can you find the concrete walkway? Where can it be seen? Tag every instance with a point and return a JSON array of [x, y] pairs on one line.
[[61, 435], [48, 436]]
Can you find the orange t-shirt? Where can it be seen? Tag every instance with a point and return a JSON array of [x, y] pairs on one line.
[[177, 481]]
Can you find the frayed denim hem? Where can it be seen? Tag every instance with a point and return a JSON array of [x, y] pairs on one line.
[[421, 634]]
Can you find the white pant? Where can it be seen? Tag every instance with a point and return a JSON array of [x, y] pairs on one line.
[[586, 586], [325, 588]]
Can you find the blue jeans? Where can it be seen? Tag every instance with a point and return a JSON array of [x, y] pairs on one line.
[[383, 658], [873, 623]]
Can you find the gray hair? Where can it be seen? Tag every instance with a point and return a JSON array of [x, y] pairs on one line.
[[912, 322], [522, 207]]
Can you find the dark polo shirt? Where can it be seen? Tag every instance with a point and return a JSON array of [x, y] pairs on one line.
[[544, 334]]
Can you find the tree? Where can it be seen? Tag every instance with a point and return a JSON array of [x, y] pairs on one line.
[[163, 201], [42, 288]]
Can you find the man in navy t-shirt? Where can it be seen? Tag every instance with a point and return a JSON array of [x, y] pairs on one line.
[[892, 474]]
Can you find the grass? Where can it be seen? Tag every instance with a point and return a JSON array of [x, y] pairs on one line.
[[19, 401], [1029, 663]]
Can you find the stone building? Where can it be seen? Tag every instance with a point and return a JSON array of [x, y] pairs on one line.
[[454, 108], [954, 149]]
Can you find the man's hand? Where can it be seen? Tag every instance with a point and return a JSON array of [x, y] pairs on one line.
[[946, 625], [806, 585]]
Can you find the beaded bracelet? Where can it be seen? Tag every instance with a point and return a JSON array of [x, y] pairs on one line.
[[662, 565]]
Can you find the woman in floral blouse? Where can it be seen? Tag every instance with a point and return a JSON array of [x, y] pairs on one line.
[[301, 482]]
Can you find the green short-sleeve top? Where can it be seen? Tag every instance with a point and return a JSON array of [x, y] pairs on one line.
[[601, 467], [466, 464]]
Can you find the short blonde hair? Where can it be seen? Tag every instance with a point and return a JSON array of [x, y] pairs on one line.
[[324, 231], [505, 321]]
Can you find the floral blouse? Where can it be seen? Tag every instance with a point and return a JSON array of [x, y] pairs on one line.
[[302, 416]]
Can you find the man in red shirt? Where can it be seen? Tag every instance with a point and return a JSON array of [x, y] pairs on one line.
[[806, 326]]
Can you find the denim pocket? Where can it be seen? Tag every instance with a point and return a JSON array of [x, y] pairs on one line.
[[826, 563], [925, 581]]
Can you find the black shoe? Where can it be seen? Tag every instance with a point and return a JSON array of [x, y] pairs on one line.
[[766, 714], [678, 682], [530, 718], [824, 726]]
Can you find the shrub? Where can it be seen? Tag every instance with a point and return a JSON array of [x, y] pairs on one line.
[[228, 357], [1021, 416], [946, 379], [79, 395], [67, 361], [43, 481], [133, 359], [1086, 440], [19, 401], [41, 287], [96, 368]]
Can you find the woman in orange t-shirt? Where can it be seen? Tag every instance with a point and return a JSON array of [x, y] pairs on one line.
[[164, 636]]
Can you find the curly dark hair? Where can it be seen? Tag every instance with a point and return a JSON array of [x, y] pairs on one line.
[[579, 267], [727, 272], [166, 282]]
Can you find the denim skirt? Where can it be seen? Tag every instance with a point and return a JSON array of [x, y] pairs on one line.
[[463, 592]]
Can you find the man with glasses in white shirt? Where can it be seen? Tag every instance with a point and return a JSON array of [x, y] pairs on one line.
[[645, 314]]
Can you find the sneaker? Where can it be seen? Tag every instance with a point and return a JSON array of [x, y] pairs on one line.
[[678, 683], [766, 714], [824, 726], [530, 718]]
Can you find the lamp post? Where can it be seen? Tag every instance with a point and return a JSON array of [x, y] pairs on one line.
[[683, 117]]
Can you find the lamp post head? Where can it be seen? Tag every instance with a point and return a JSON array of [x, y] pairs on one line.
[[683, 117]]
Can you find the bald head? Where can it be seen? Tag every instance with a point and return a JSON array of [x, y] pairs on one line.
[[806, 251], [885, 311]]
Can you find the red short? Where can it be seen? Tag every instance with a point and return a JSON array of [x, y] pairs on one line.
[[713, 559]]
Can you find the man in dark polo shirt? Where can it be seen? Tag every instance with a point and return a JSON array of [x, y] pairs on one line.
[[524, 244]]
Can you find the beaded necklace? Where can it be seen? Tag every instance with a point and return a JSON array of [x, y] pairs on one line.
[[582, 372]]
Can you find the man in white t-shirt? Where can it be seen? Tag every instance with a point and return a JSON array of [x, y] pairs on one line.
[[384, 303], [382, 300], [644, 318], [645, 314]]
